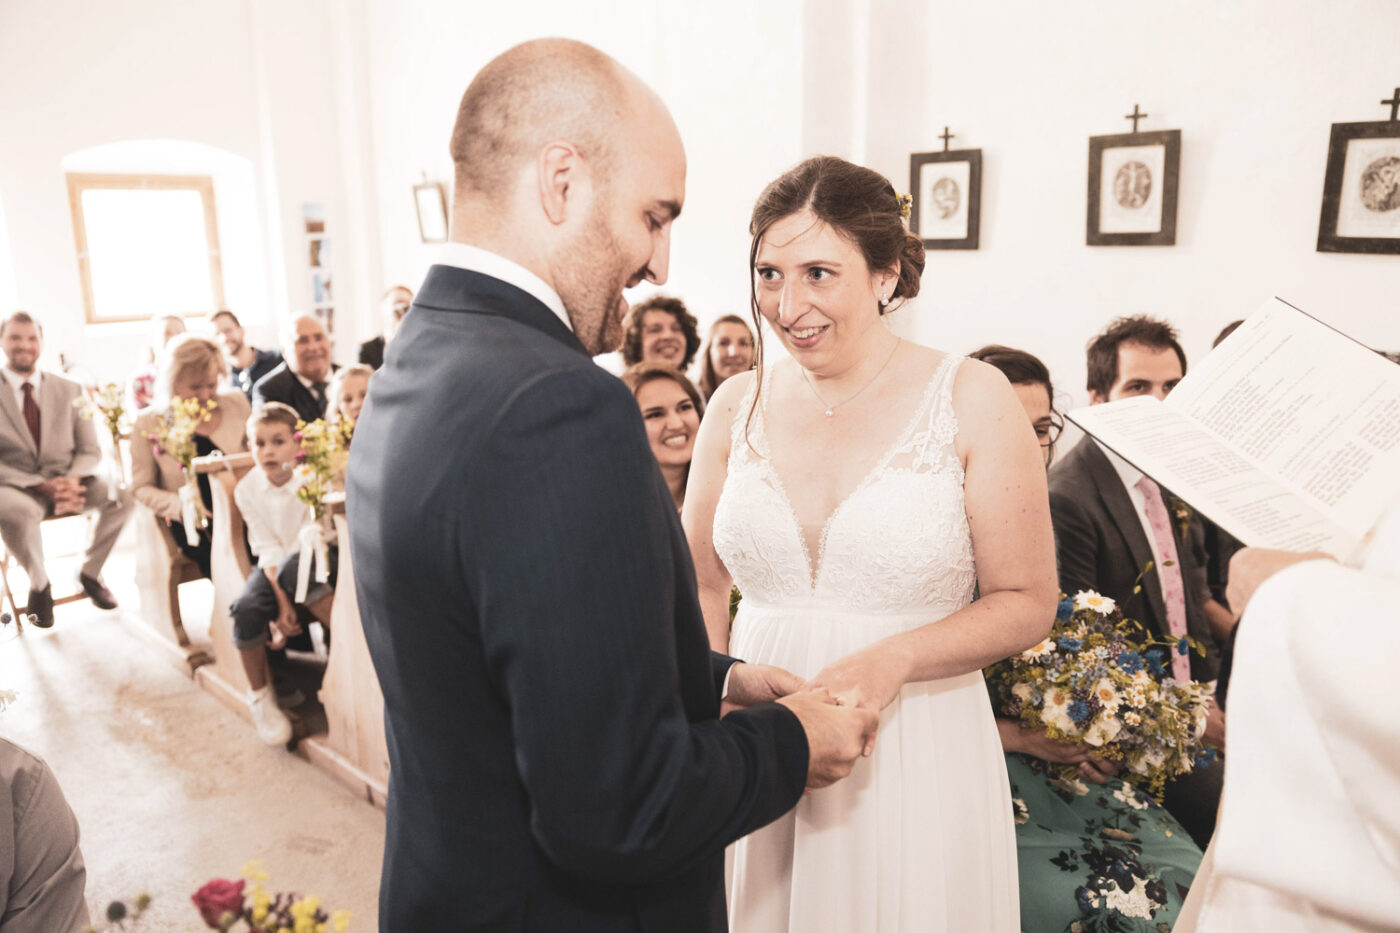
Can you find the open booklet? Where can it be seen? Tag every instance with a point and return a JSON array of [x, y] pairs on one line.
[[1287, 435]]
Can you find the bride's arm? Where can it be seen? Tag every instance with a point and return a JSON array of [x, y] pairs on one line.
[[709, 465], [1008, 511]]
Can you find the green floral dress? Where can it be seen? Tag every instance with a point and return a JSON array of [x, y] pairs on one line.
[[1095, 858]]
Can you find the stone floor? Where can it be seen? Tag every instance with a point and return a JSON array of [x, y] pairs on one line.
[[171, 788]]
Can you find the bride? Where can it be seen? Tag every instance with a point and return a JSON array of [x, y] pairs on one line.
[[845, 491]]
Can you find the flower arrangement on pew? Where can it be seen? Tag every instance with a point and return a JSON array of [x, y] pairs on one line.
[[106, 401], [224, 904], [174, 436], [325, 450], [1099, 680]]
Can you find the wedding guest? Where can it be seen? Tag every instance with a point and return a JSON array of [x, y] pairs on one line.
[[660, 330], [192, 367], [1099, 502], [1309, 832], [49, 459], [671, 410], [42, 874], [348, 389], [1154, 857], [300, 381], [728, 351], [246, 363], [394, 304], [141, 385], [265, 613]]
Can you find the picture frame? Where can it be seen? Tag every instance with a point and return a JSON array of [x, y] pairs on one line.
[[1133, 180], [430, 201], [1361, 190], [947, 193]]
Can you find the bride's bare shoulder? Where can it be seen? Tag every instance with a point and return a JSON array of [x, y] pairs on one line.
[[729, 396]]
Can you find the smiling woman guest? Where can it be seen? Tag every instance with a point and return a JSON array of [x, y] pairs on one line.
[[728, 352], [192, 367], [671, 409], [660, 331]]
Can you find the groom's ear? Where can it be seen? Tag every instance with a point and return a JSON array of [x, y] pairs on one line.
[[562, 180]]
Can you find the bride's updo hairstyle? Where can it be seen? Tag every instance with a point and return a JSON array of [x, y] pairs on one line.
[[858, 203]]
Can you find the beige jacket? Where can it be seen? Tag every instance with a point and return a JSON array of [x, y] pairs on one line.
[[156, 479]]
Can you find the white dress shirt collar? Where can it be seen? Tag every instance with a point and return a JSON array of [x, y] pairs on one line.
[[16, 383], [476, 259], [1128, 473]]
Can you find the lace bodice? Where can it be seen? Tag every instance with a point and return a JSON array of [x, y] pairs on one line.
[[898, 543]]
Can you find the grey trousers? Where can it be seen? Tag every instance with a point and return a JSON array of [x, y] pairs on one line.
[[21, 511]]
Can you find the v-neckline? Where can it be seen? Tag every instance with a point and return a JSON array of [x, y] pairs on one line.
[[815, 566]]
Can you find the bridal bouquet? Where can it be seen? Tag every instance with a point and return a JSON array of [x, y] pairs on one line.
[[1099, 680], [174, 436], [325, 450], [224, 904]]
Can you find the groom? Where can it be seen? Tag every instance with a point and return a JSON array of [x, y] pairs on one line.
[[557, 760]]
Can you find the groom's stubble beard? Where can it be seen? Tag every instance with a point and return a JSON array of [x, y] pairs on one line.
[[591, 275]]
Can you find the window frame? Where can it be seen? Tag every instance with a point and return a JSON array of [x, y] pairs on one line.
[[78, 182]]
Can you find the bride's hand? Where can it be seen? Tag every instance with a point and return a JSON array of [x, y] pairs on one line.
[[870, 679]]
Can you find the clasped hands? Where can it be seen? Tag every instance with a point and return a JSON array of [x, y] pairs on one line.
[[65, 492], [839, 708]]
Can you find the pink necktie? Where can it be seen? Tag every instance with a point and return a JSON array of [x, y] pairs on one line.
[[1169, 573]]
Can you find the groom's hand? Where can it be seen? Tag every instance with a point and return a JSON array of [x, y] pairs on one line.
[[836, 735], [757, 683]]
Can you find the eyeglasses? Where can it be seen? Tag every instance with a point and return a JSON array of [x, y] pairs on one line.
[[1049, 432]]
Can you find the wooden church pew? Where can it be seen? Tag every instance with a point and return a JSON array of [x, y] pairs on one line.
[[161, 568], [354, 750]]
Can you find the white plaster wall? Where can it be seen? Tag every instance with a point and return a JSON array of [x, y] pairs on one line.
[[1253, 85]]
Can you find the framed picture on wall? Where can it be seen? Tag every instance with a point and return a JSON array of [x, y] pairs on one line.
[[1361, 190], [431, 202], [947, 191], [1132, 188]]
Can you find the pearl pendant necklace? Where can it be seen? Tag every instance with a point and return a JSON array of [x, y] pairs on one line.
[[831, 409]]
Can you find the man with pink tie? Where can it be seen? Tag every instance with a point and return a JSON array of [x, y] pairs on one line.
[[1111, 522]]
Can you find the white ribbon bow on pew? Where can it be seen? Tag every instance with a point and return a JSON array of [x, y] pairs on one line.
[[314, 550], [189, 512]]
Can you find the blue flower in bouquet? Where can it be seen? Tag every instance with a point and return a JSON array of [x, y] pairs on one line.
[[1204, 758], [1068, 643], [1087, 900], [1156, 664], [1064, 609], [1078, 711], [1130, 662], [1183, 645]]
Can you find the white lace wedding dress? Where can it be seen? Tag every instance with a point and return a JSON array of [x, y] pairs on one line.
[[920, 837]]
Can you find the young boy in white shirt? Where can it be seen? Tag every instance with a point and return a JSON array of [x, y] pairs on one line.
[[274, 518]]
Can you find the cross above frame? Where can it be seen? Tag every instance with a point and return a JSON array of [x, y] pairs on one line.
[[947, 137], [1394, 103], [1135, 116]]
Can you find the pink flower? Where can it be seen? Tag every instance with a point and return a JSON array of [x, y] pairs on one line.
[[217, 898]]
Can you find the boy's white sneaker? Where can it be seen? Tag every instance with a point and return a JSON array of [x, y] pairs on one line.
[[272, 724]]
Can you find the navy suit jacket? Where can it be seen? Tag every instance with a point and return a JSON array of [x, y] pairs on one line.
[[282, 385], [1100, 545], [556, 757]]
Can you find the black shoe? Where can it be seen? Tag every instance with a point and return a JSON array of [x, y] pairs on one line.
[[41, 607], [97, 591]]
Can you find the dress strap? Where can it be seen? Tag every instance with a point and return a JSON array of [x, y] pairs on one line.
[[742, 431], [932, 444]]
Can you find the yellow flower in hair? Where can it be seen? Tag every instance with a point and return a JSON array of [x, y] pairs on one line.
[[906, 205]]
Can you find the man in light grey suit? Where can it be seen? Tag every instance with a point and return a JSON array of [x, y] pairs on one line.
[[48, 457]]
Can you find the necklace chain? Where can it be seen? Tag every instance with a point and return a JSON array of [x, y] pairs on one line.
[[831, 409]]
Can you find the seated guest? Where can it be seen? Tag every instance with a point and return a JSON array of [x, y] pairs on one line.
[[671, 409], [140, 387], [300, 381], [1309, 834], [246, 363], [1111, 522], [1054, 816], [728, 352], [42, 875], [275, 517], [48, 464], [192, 367], [394, 305], [349, 386], [660, 331]]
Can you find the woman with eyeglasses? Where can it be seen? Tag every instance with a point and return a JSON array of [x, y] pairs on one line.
[[1073, 836]]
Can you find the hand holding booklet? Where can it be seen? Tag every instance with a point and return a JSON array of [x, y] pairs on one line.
[[1287, 435]]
